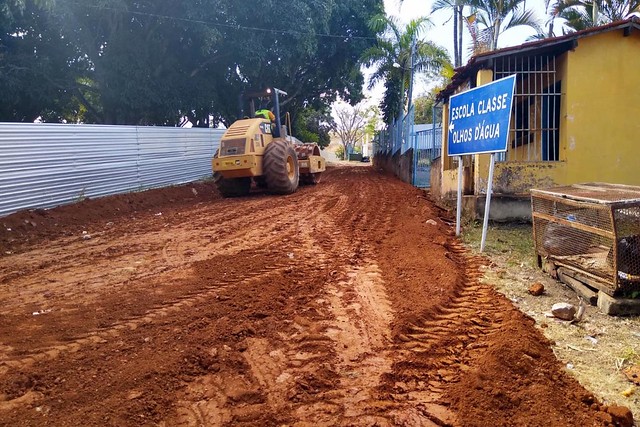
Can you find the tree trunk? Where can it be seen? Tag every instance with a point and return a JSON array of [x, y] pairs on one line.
[[456, 48], [496, 33], [460, 30]]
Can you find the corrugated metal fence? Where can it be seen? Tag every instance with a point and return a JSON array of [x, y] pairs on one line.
[[46, 165]]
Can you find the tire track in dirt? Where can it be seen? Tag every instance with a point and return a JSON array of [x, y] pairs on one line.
[[426, 353], [434, 351], [91, 280], [359, 325], [360, 315], [97, 277], [347, 345], [363, 375], [455, 327], [183, 302], [361, 311]]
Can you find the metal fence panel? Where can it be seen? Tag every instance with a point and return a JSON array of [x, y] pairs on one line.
[[46, 165], [428, 146]]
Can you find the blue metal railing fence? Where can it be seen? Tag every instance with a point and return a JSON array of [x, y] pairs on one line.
[[425, 140]]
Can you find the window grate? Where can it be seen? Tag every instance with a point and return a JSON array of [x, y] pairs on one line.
[[535, 118]]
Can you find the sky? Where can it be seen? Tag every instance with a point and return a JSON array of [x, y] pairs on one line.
[[442, 33]]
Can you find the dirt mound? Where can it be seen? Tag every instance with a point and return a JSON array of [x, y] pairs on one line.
[[341, 304], [29, 227], [515, 381]]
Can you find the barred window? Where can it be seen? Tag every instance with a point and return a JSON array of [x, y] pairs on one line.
[[535, 121]]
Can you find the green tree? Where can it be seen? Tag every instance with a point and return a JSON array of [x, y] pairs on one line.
[[391, 60], [316, 61], [150, 61], [424, 109], [373, 121], [491, 18], [35, 73], [313, 126], [425, 104], [143, 62]]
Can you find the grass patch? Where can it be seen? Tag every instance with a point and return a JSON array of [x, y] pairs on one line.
[[512, 241]]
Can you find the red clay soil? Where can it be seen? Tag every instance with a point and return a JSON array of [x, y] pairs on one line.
[[337, 305]]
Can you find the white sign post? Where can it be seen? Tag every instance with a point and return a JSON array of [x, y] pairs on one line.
[[479, 121], [459, 204], [485, 223]]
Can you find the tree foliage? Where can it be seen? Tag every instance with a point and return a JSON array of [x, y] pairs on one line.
[[491, 18], [578, 15], [424, 109], [391, 60], [153, 62], [35, 74], [352, 123], [313, 126]]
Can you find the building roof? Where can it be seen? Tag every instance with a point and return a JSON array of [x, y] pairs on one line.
[[555, 45]]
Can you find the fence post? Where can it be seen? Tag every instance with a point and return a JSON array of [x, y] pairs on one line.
[[415, 158]]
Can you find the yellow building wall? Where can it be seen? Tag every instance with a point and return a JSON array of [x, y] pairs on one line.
[[602, 110], [449, 171], [449, 182]]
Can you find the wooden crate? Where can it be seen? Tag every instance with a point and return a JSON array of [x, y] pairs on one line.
[[592, 229]]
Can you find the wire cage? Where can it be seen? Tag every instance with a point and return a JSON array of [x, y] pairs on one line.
[[592, 229]]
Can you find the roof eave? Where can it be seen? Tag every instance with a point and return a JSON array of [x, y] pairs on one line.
[[557, 44]]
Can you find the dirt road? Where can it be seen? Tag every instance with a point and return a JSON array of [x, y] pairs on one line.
[[347, 303]]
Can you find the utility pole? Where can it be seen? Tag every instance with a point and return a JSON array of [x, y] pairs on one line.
[[413, 51]]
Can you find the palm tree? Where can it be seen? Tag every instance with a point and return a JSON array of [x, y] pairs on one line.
[[614, 10], [577, 15], [391, 59], [480, 37], [457, 7], [494, 17], [581, 14]]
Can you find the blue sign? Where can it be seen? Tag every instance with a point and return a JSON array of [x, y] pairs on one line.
[[479, 118]]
